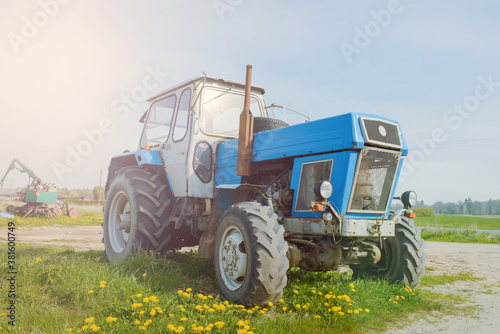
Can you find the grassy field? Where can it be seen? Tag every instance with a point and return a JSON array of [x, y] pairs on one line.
[[59, 290], [460, 235], [466, 222]]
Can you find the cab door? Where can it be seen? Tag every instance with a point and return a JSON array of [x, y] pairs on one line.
[[175, 151]]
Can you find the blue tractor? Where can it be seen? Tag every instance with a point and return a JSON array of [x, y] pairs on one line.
[[259, 196]]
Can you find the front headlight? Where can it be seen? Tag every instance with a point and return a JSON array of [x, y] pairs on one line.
[[323, 189], [409, 199]]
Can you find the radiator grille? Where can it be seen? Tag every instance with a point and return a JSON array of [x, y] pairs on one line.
[[311, 173], [375, 175], [381, 132]]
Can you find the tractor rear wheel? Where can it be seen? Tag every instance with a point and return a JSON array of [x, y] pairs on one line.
[[250, 254], [138, 207], [403, 257]]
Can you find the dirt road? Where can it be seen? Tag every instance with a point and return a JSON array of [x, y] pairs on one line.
[[442, 258]]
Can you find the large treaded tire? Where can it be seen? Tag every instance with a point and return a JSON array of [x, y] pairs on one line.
[[261, 124], [403, 257], [262, 244], [146, 198]]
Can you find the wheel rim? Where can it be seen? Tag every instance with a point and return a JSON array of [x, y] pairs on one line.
[[119, 222], [232, 258]]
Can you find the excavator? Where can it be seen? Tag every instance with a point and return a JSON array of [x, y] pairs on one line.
[[40, 198]]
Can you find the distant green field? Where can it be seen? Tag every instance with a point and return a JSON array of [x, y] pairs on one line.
[[470, 222]]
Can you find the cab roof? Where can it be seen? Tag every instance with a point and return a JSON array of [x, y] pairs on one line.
[[208, 79]]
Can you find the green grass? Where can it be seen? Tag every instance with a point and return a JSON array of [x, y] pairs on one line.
[[432, 280], [53, 287], [461, 235], [467, 222], [52, 221]]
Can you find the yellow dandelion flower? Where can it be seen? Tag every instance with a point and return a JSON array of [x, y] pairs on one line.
[[144, 275], [148, 322], [297, 306], [137, 322], [249, 311], [89, 320], [356, 311], [142, 312], [184, 319], [90, 291], [296, 292], [403, 297], [94, 328], [313, 291], [145, 300], [102, 286], [317, 317], [38, 259], [353, 290], [262, 312], [180, 292], [219, 324], [351, 286], [413, 294], [240, 323], [341, 313], [142, 328], [199, 329], [270, 304], [326, 304], [241, 331], [111, 319], [395, 302], [189, 290], [136, 305], [102, 282], [69, 329], [349, 311], [84, 328], [139, 295], [153, 312]]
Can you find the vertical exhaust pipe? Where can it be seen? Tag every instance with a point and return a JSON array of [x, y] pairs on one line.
[[245, 138]]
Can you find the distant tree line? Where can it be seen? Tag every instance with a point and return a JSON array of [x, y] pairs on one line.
[[468, 207]]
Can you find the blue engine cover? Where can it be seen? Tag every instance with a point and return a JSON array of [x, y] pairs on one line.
[[338, 138]]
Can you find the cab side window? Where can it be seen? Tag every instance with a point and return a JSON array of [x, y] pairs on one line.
[[182, 120], [157, 126]]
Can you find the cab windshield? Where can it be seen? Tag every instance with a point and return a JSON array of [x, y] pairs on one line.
[[221, 109]]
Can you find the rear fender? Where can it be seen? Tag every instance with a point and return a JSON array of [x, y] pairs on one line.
[[140, 158]]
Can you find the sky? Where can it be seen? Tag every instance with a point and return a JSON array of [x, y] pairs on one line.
[[75, 74]]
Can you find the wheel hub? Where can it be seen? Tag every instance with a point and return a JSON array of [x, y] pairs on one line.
[[233, 259]]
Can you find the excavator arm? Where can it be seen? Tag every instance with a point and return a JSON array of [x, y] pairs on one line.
[[16, 164]]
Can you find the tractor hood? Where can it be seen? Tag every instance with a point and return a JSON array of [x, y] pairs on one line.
[[350, 131]]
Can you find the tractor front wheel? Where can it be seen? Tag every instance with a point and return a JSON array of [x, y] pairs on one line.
[[402, 259], [250, 255]]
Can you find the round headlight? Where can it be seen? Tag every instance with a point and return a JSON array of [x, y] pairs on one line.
[[409, 199], [323, 189]]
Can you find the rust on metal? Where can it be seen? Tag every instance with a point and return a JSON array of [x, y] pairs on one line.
[[245, 138]]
